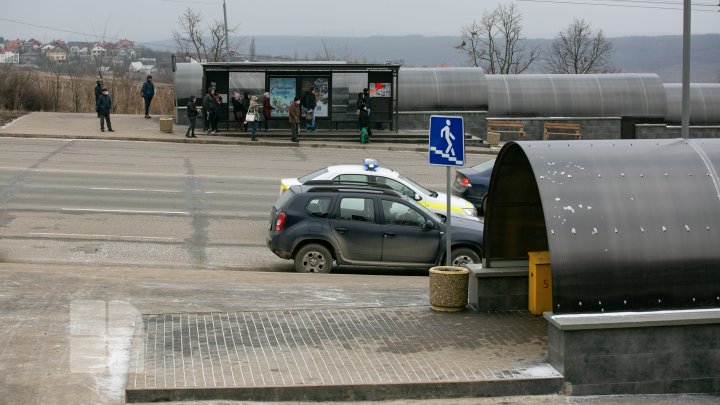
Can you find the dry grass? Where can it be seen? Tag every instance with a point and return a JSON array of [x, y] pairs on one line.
[[31, 90]]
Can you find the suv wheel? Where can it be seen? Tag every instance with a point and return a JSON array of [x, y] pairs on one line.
[[313, 259], [463, 256]]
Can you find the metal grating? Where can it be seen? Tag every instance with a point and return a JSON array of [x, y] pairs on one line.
[[326, 347]]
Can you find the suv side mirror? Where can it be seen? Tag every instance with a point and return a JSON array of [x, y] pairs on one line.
[[417, 197], [429, 224]]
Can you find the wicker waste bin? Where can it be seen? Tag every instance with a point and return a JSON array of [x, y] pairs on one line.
[[448, 288], [166, 124], [493, 138]]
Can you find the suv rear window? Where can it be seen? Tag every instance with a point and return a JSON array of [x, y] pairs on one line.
[[284, 198], [318, 207]]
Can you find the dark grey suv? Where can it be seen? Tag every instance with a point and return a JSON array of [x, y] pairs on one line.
[[356, 225]]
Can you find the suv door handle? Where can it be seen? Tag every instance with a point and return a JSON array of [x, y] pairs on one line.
[[389, 234], [341, 230]]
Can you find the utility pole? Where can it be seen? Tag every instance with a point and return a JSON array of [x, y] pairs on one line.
[[227, 39], [685, 125]]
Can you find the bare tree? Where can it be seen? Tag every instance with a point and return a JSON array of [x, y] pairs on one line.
[[496, 43], [77, 85], [580, 50], [191, 41], [57, 68], [330, 52]]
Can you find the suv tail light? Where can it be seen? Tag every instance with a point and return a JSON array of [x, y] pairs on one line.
[[280, 221]]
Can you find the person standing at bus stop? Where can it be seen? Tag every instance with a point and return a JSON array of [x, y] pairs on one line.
[[309, 102], [147, 93]]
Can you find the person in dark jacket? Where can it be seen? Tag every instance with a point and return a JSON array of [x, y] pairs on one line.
[[294, 119], [237, 110], [214, 109], [245, 108], [363, 122], [98, 92], [309, 102], [147, 93], [192, 114], [366, 100], [104, 107], [267, 109], [206, 109]]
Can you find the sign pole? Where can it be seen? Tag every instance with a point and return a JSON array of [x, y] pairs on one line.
[[446, 146], [448, 221]]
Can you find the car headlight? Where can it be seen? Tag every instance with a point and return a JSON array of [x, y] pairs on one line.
[[471, 212]]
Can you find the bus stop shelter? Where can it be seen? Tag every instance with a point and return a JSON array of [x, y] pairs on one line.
[[337, 85]]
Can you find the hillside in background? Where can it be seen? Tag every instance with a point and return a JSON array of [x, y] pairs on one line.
[[659, 54]]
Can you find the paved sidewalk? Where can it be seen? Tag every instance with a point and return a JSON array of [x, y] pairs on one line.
[[137, 128], [368, 353]]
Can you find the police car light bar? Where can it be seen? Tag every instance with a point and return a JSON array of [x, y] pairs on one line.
[[370, 164]]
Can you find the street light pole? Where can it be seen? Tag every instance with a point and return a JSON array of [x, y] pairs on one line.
[[227, 39], [685, 125]]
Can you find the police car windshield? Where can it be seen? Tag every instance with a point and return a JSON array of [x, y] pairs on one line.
[[417, 186], [312, 175]]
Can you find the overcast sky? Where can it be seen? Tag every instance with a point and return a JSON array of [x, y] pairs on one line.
[[150, 20]]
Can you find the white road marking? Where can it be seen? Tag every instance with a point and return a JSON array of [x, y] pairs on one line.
[[126, 211], [157, 238], [134, 189]]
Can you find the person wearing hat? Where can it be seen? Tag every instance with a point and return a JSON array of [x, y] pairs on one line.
[[104, 107], [254, 106]]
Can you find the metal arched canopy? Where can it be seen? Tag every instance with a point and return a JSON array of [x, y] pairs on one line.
[[631, 225], [556, 95], [443, 89], [704, 103]]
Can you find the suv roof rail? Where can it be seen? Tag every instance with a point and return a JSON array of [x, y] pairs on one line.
[[350, 186]]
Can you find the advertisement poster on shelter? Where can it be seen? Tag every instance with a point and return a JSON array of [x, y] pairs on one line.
[[282, 92], [321, 85], [380, 89]]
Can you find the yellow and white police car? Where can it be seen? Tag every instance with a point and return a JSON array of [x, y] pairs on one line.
[[370, 173]]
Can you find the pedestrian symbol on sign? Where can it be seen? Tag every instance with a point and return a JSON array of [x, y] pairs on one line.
[[449, 137], [447, 141]]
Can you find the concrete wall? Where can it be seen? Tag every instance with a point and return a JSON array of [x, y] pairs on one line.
[[662, 131], [650, 356]]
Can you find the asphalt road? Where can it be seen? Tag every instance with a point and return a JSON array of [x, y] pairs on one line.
[[147, 204]]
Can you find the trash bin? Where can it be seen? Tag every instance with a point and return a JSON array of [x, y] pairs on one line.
[[448, 288], [540, 283], [493, 138], [166, 124]]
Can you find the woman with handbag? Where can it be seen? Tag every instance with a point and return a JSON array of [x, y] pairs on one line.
[[252, 116]]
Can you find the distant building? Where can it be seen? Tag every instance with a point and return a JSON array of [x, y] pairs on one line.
[[56, 55], [124, 43], [31, 57], [98, 51], [13, 45], [140, 67], [9, 57]]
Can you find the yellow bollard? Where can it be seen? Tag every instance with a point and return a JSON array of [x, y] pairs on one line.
[[540, 283]]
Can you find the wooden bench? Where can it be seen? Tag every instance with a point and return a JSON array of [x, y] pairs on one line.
[[555, 129], [495, 129]]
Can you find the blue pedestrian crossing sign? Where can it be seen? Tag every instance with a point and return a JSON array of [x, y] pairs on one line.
[[447, 141]]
